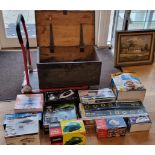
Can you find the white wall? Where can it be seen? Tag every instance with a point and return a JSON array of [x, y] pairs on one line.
[[102, 23]]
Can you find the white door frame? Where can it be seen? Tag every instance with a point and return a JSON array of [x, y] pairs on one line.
[[102, 24], [10, 42]]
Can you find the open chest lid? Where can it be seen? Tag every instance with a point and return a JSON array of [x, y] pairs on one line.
[[65, 28]]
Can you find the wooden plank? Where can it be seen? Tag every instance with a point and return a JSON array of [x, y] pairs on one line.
[[66, 28], [67, 54], [68, 35], [59, 18]]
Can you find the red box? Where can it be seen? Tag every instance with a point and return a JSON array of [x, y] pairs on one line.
[[55, 133], [101, 128], [110, 127]]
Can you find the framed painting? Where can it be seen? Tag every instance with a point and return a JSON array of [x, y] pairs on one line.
[[134, 47]]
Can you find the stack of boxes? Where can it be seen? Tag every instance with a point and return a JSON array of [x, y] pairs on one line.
[[114, 118], [59, 105], [61, 111], [128, 87], [22, 127], [112, 114]]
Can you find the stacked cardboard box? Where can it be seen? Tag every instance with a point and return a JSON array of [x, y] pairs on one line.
[[96, 96], [141, 123], [56, 112], [22, 127], [128, 107], [22, 131], [128, 87], [73, 132], [68, 132], [55, 133], [59, 105], [110, 127], [111, 113], [29, 103], [90, 112]]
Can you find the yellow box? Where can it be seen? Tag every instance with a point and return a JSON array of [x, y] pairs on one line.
[[73, 132]]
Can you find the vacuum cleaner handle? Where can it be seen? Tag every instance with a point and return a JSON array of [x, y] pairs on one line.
[[25, 51], [21, 19]]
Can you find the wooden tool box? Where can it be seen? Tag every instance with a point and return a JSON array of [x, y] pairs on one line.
[[66, 42]]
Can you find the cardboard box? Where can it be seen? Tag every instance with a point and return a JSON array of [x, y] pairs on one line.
[[10, 117], [110, 127], [73, 132], [101, 128], [140, 123], [29, 103], [22, 131], [96, 96], [127, 86], [57, 112], [55, 133], [61, 96], [91, 112]]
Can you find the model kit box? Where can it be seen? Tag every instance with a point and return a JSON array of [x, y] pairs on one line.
[[125, 109], [101, 128], [55, 133], [57, 112], [127, 86], [140, 123], [73, 132], [9, 117], [90, 112], [96, 96], [29, 103], [110, 127], [61, 96], [22, 131]]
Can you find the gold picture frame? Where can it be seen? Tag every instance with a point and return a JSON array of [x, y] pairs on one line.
[[134, 47]]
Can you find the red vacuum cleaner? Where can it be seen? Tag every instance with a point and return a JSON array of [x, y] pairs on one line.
[[26, 53]]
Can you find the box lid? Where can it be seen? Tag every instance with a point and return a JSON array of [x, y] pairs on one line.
[[65, 28]]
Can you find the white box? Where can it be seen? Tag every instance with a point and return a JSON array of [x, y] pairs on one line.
[[127, 86], [22, 131]]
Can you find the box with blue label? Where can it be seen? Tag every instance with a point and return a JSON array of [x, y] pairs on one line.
[[139, 123], [127, 86], [110, 127]]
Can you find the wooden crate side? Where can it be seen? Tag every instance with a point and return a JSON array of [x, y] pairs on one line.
[[68, 74], [67, 54]]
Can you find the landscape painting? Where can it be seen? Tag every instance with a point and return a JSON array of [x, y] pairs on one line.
[[134, 48]]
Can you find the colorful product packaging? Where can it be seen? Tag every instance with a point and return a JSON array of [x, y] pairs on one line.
[[110, 127], [74, 132]]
